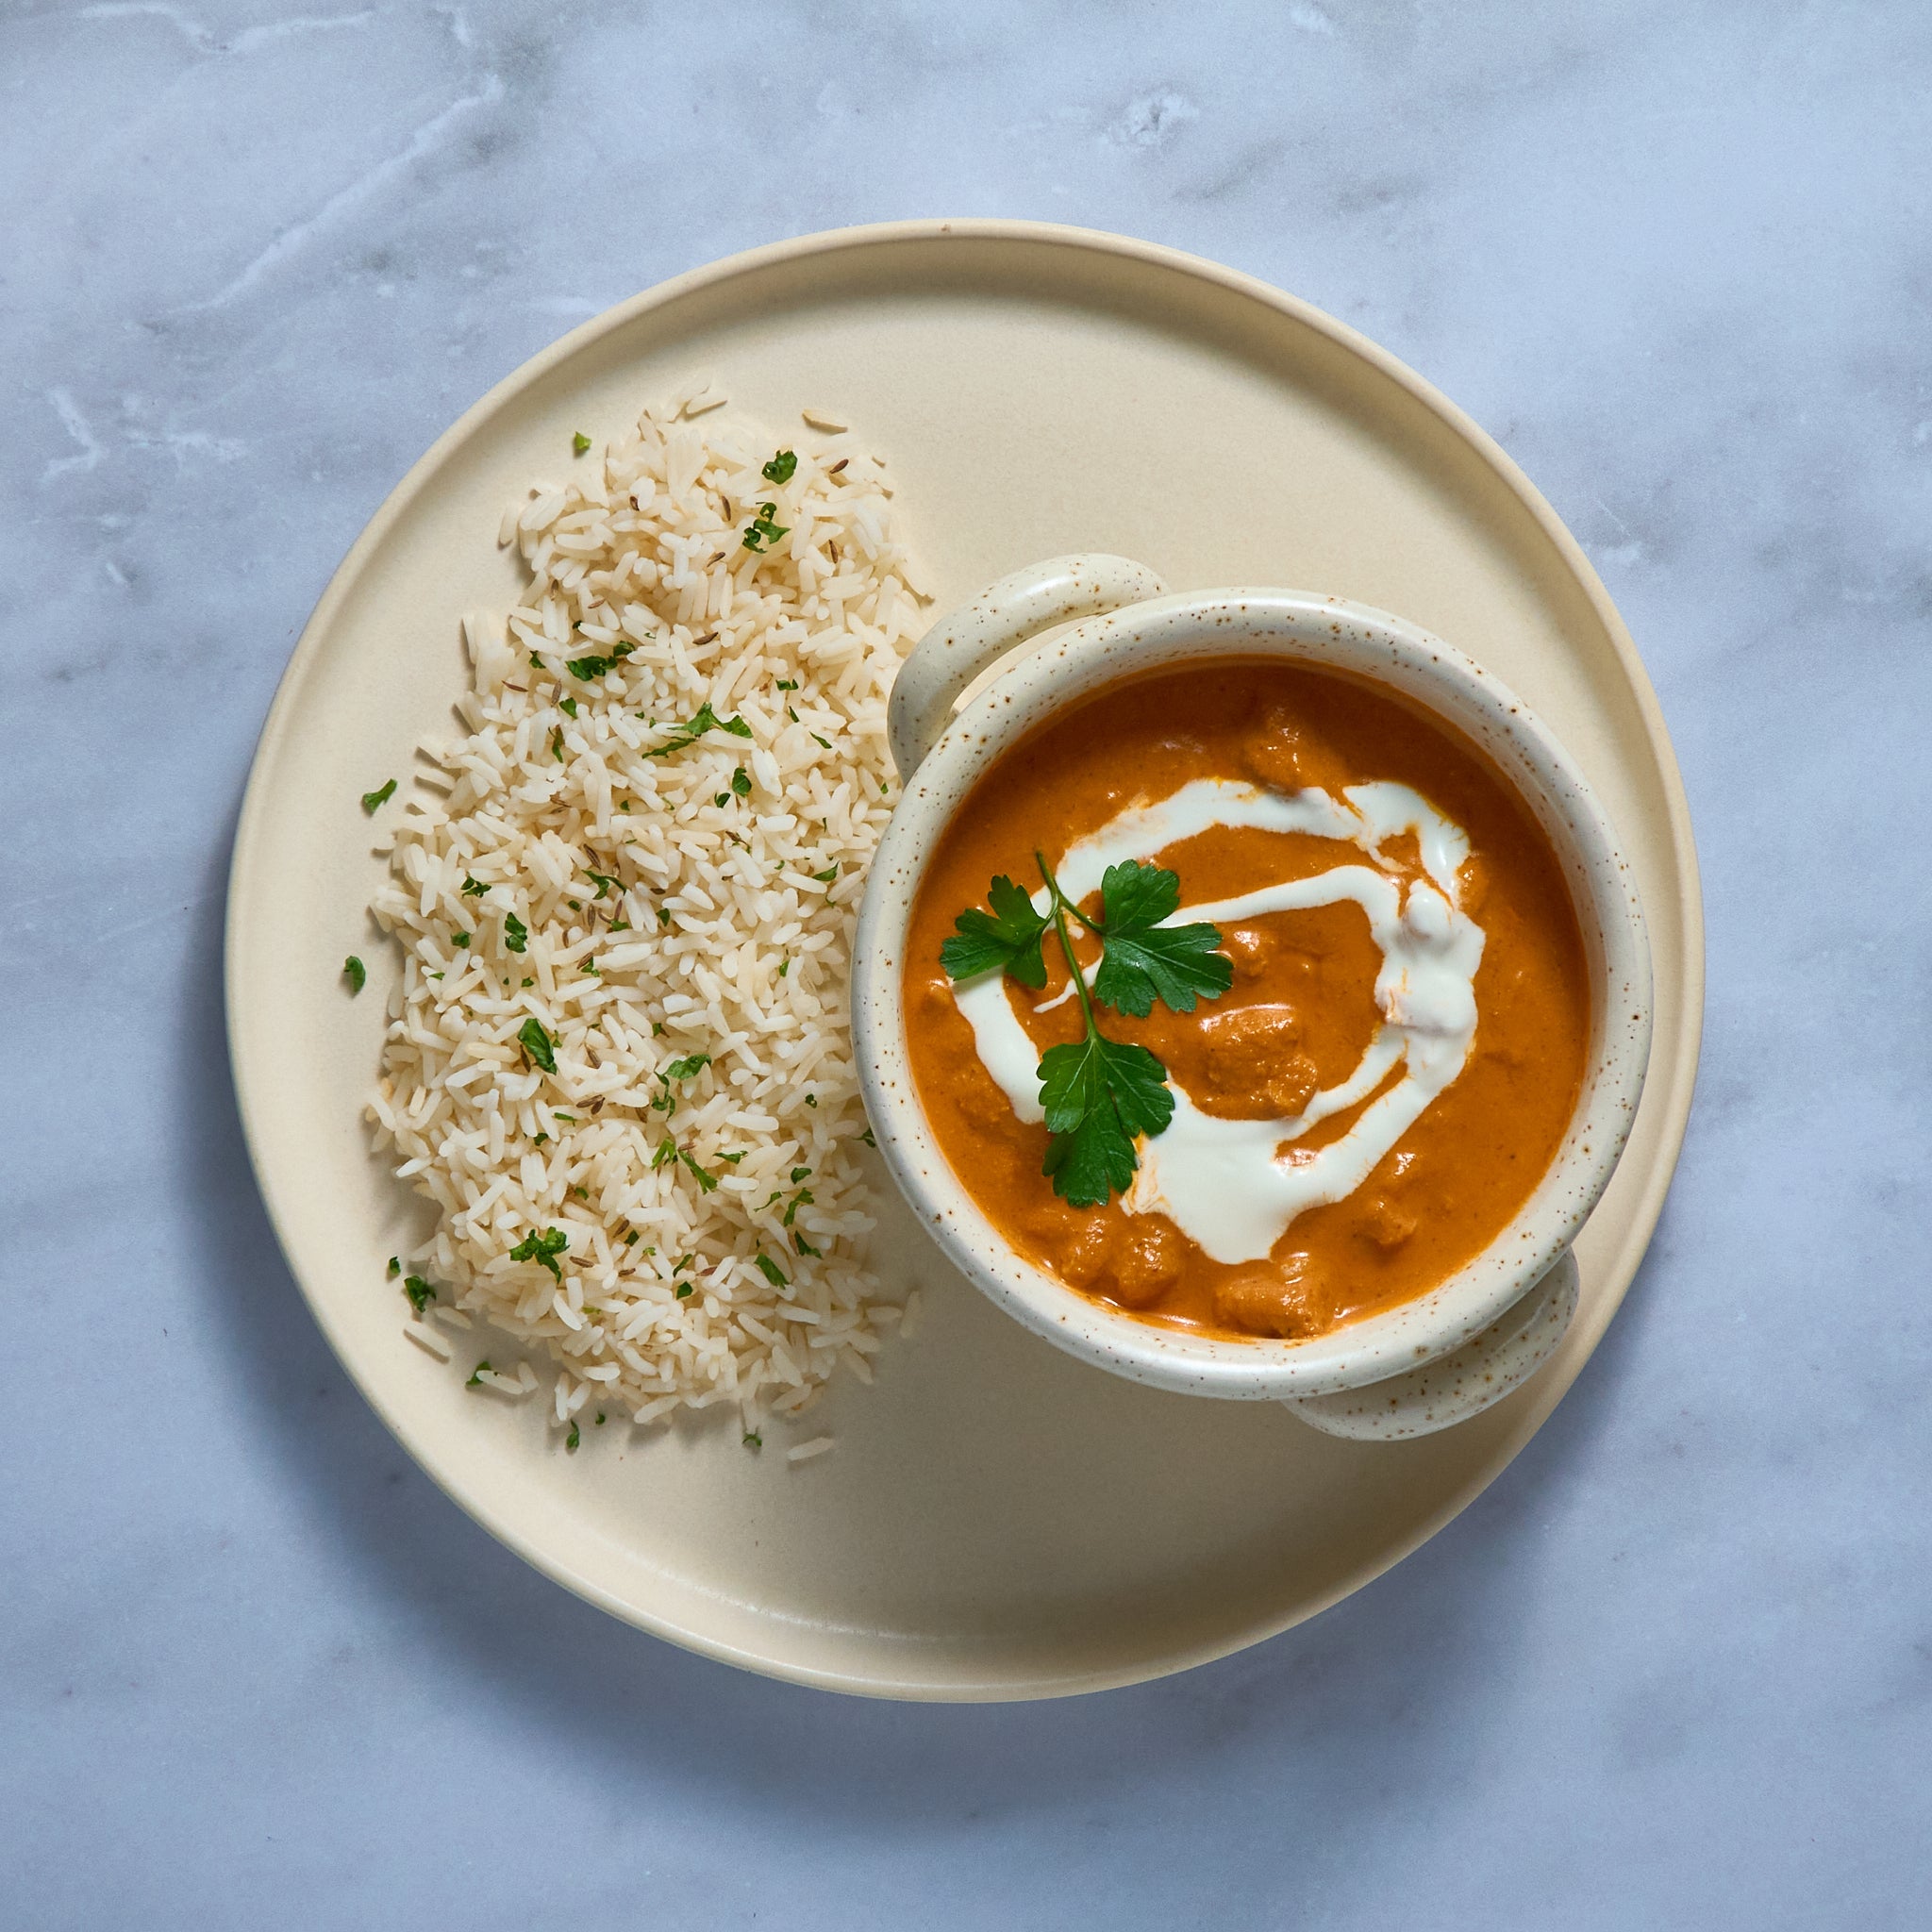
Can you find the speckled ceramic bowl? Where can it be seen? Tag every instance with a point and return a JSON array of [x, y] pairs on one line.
[[1116, 619]]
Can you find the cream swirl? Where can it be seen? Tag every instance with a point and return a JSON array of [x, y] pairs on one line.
[[1234, 1187]]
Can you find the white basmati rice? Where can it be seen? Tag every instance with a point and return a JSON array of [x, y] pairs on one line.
[[674, 1231]]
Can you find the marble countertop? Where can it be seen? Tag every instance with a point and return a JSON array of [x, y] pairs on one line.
[[1675, 1666]]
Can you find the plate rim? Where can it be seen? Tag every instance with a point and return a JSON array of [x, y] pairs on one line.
[[1681, 1055]]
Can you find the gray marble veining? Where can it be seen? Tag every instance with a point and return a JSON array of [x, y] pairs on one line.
[[1675, 1668]]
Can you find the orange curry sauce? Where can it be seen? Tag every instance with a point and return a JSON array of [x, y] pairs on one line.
[[1301, 1011]]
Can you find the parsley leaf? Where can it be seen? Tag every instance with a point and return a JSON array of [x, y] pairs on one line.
[[782, 467], [1099, 1095], [741, 782], [770, 1270], [542, 1249], [381, 795], [1007, 938], [474, 889], [515, 934], [354, 973], [1143, 959], [420, 1293], [708, 1183], [537, 1044], [603, 880], [684, 1068]]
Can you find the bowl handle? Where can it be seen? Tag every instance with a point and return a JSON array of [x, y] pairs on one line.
[[1462, 1383], [967, 638]]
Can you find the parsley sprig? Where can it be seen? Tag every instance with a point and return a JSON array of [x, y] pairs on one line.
[[1100, 1095]]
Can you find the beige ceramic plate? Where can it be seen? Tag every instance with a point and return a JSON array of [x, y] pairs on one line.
[[997, 1520]]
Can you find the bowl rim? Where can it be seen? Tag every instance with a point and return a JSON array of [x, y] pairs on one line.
[[1356, 640]]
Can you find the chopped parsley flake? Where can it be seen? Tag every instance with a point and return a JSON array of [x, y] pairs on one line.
[[666, 1153], [723, 798], [542, 1249], [474, 889], [603, 881], [788, 684], [823, 743], [571, 1440], [579, 442], [784, 967], [592, 665], [515, 934], [568, 707], [537, 1044], [764, 530], [420, 1293], [684, 1290], [771, 1270], [395, 1267], [557, 744], [354, 973], [827, 876], [460, 941], [600, 1418], [811, 1100], [753, 1439], [477, 1374], [741, 782], [630, 1241], [706, 720], [798, 1174], [804, 1246], [684, 1068], [381, 795], [782, 467], [867, 1138]]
